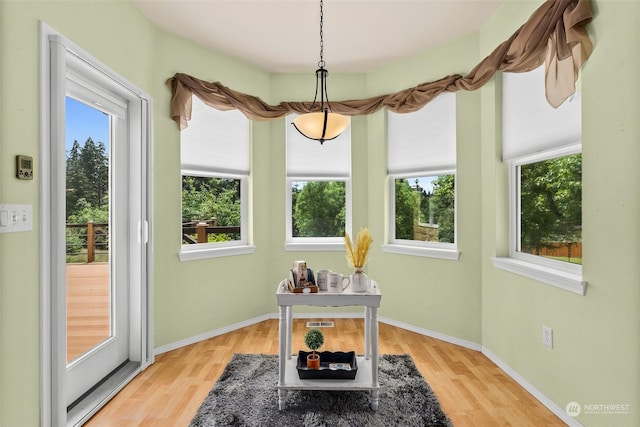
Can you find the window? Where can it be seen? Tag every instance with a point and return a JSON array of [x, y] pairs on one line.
[[550, 207], [215, 159], [543, 148], [425, 208], [421, 164], [318, 210]]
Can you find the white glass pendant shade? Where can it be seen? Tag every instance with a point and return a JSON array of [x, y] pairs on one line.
[[312, 125], [323, 125]]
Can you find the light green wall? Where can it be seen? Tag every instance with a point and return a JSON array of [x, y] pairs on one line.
[[129, 51], [596, 336], [432, 294], [195, 297]]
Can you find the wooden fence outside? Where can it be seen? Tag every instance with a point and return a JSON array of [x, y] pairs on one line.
[[560, 249], [96, 236], [202, 230]]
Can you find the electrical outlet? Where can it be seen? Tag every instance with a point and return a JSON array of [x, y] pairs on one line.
[[547, 336]]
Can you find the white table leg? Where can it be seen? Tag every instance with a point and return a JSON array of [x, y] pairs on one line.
[[289, 330], [367, 332], [375, 399], [374, 358], [282, 360], [282, 399]]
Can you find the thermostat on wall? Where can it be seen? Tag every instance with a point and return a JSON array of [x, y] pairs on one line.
[[24, 167]]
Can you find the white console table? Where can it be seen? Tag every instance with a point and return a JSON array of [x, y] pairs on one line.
[[367, 375]]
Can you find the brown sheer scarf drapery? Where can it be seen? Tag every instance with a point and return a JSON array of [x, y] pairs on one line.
[[555, 35]]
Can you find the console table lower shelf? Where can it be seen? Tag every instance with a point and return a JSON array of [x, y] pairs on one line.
[[362, 382]]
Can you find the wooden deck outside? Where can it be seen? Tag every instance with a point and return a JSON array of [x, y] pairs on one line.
[[88, 307]]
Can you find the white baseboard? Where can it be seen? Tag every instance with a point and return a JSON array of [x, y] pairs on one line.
[[192, 340], [550, 405], [433, 334], [322, 315]]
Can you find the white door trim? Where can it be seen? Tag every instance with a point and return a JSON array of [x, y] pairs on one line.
[[53, 410]]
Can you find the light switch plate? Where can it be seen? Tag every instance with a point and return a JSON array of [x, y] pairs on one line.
[[547, 336], [16, 218]]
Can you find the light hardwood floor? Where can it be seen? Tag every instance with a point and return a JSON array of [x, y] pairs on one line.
[[471, 389]]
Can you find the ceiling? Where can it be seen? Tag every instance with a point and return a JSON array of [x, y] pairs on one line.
[[283, 36]]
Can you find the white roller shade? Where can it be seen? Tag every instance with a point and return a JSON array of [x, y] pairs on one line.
[[215, 140], [307, 158], [423, 140], [529, 123]]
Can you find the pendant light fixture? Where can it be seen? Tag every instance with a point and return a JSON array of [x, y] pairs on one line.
[[321, 125]]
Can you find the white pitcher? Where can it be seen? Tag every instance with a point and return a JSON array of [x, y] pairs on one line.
[[359, 281]]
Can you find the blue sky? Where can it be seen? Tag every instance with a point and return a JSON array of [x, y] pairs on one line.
[[83, 122], [424, 182]]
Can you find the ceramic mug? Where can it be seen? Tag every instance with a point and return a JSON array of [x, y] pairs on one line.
[[321, 279], [336, 282]]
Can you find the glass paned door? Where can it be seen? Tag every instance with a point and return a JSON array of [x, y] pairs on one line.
[[96, 239], [87, 228]]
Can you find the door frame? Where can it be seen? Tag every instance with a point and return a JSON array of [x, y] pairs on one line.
[[53, 407]]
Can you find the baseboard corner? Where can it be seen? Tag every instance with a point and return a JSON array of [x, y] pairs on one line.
[[537, 394]]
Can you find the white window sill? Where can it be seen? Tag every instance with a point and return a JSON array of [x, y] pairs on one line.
[[441, 253], [204, 253], [314, 246], [560, 279]]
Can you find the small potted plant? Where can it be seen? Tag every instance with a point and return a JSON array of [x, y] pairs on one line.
[[314, 340]]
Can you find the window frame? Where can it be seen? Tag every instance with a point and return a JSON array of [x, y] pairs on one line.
[[431, 133], [342, 173], [441, 250], [316, 243], [533, 131], [220, 249], [561, 274]]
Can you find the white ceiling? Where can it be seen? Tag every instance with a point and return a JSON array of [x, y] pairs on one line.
[[284, 35]]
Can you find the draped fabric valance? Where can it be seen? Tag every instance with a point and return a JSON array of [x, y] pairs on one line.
[[555, 35]]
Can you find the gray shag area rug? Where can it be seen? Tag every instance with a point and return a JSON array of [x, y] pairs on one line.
[[246, 395]]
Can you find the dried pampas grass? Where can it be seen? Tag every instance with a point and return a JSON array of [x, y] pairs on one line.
[[357, 254]]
